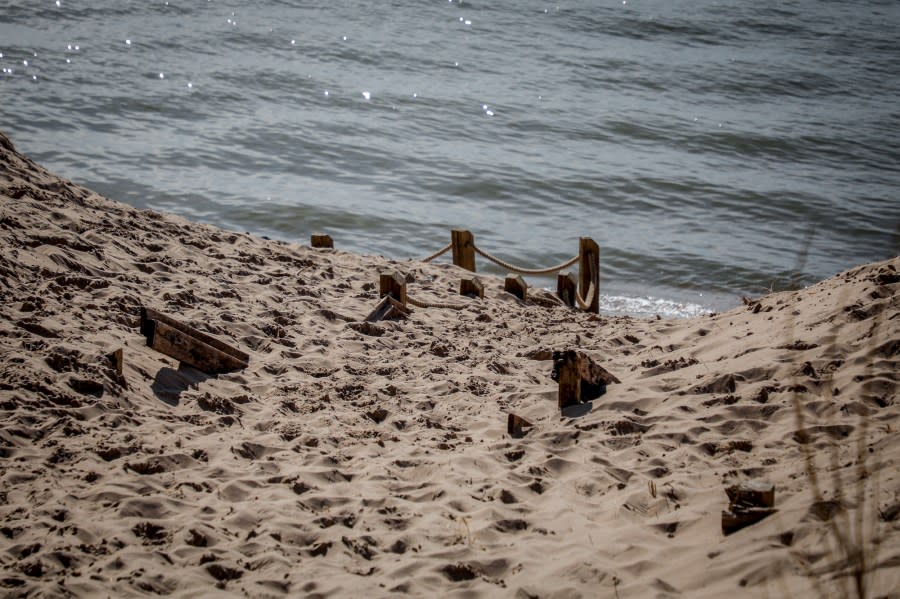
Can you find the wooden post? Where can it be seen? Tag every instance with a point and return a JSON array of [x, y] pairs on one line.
[[388, 308], [579, 377], [393, 284], [471, 287], [589, 271], [566, 369], [320, 240], [749, 503], [463, 248], [516, 285], [566, 284], [116, 360]]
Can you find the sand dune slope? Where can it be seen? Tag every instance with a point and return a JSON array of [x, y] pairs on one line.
[[349, 459]]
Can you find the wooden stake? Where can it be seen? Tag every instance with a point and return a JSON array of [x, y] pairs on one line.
[[589, 271], [471, 287], [320, 240], [463, 248], [116, 359], [516, 285], [566, 284], [393, 284]]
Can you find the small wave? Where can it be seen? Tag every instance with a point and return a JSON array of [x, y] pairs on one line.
[[650, 306]]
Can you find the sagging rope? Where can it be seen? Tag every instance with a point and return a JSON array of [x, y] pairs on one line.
[[524, 271], [423, 305], [438, 253]]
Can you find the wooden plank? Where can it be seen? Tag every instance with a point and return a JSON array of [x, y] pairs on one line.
[[116, 360], [565, 367], [188, 349], [321, 240], [463, 245], [735, 520], [516, 285], [393, 284], [566, 285], [752, 493], [589, 271], [471, 287], [148, 314]]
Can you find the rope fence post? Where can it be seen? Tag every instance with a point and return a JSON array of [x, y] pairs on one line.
[[392, 284], [471, 287], [321, 240], [589, 272], [566, 286], [516, 285], [463, 243]]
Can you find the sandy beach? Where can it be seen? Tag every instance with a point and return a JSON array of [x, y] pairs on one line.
[[350, 458]]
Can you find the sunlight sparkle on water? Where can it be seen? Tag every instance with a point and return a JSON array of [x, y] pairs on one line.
[[367, 96]]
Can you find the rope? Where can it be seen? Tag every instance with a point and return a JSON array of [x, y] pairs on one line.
[[583, 303], [524, 271], [421, 304], [438, 253]]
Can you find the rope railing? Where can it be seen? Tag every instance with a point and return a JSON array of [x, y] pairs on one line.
[[439, 253], [582, 290], [521, 270]]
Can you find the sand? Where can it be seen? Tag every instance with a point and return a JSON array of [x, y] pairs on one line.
[[349, 459]]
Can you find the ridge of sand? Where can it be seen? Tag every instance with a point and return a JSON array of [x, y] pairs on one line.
[[346, 460]]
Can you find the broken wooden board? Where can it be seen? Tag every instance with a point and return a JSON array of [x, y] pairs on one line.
[[186, 344], [735, 520], [516, 285], [321, 241], [580, 378], [471, 287], [388, 309], [749, 502]]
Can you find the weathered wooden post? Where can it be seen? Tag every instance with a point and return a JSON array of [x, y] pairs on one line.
[[580, 378], [589, 272], [321, 240], [748, 503], [393, 284], [516, 426], [566, 286], [516, 285], [471, 287], [463, 248]]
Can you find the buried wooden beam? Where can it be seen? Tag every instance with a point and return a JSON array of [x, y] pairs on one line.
[[388, 309], [516, 285], [471, 287], [393, 284], [321, 240], [190, 346], [463, 245], [566, 286], [748, 503], [589, 272], [580, 378], [516, 426]]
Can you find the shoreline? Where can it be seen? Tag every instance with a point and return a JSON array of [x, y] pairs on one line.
[[348, 458]]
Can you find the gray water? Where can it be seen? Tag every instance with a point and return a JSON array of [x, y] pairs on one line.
[[712, 149]]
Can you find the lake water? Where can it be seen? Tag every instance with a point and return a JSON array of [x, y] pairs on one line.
[[712, 149]]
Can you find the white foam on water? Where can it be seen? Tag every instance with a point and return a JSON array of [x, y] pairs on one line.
[[650, 306]]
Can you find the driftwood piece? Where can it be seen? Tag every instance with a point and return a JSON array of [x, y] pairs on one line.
[[749, 502], [463, 245], [580, 378], [516, 425], [388, 309], [566, 286], [516, 285], [186, 344], [321, 240], [471, 287]]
